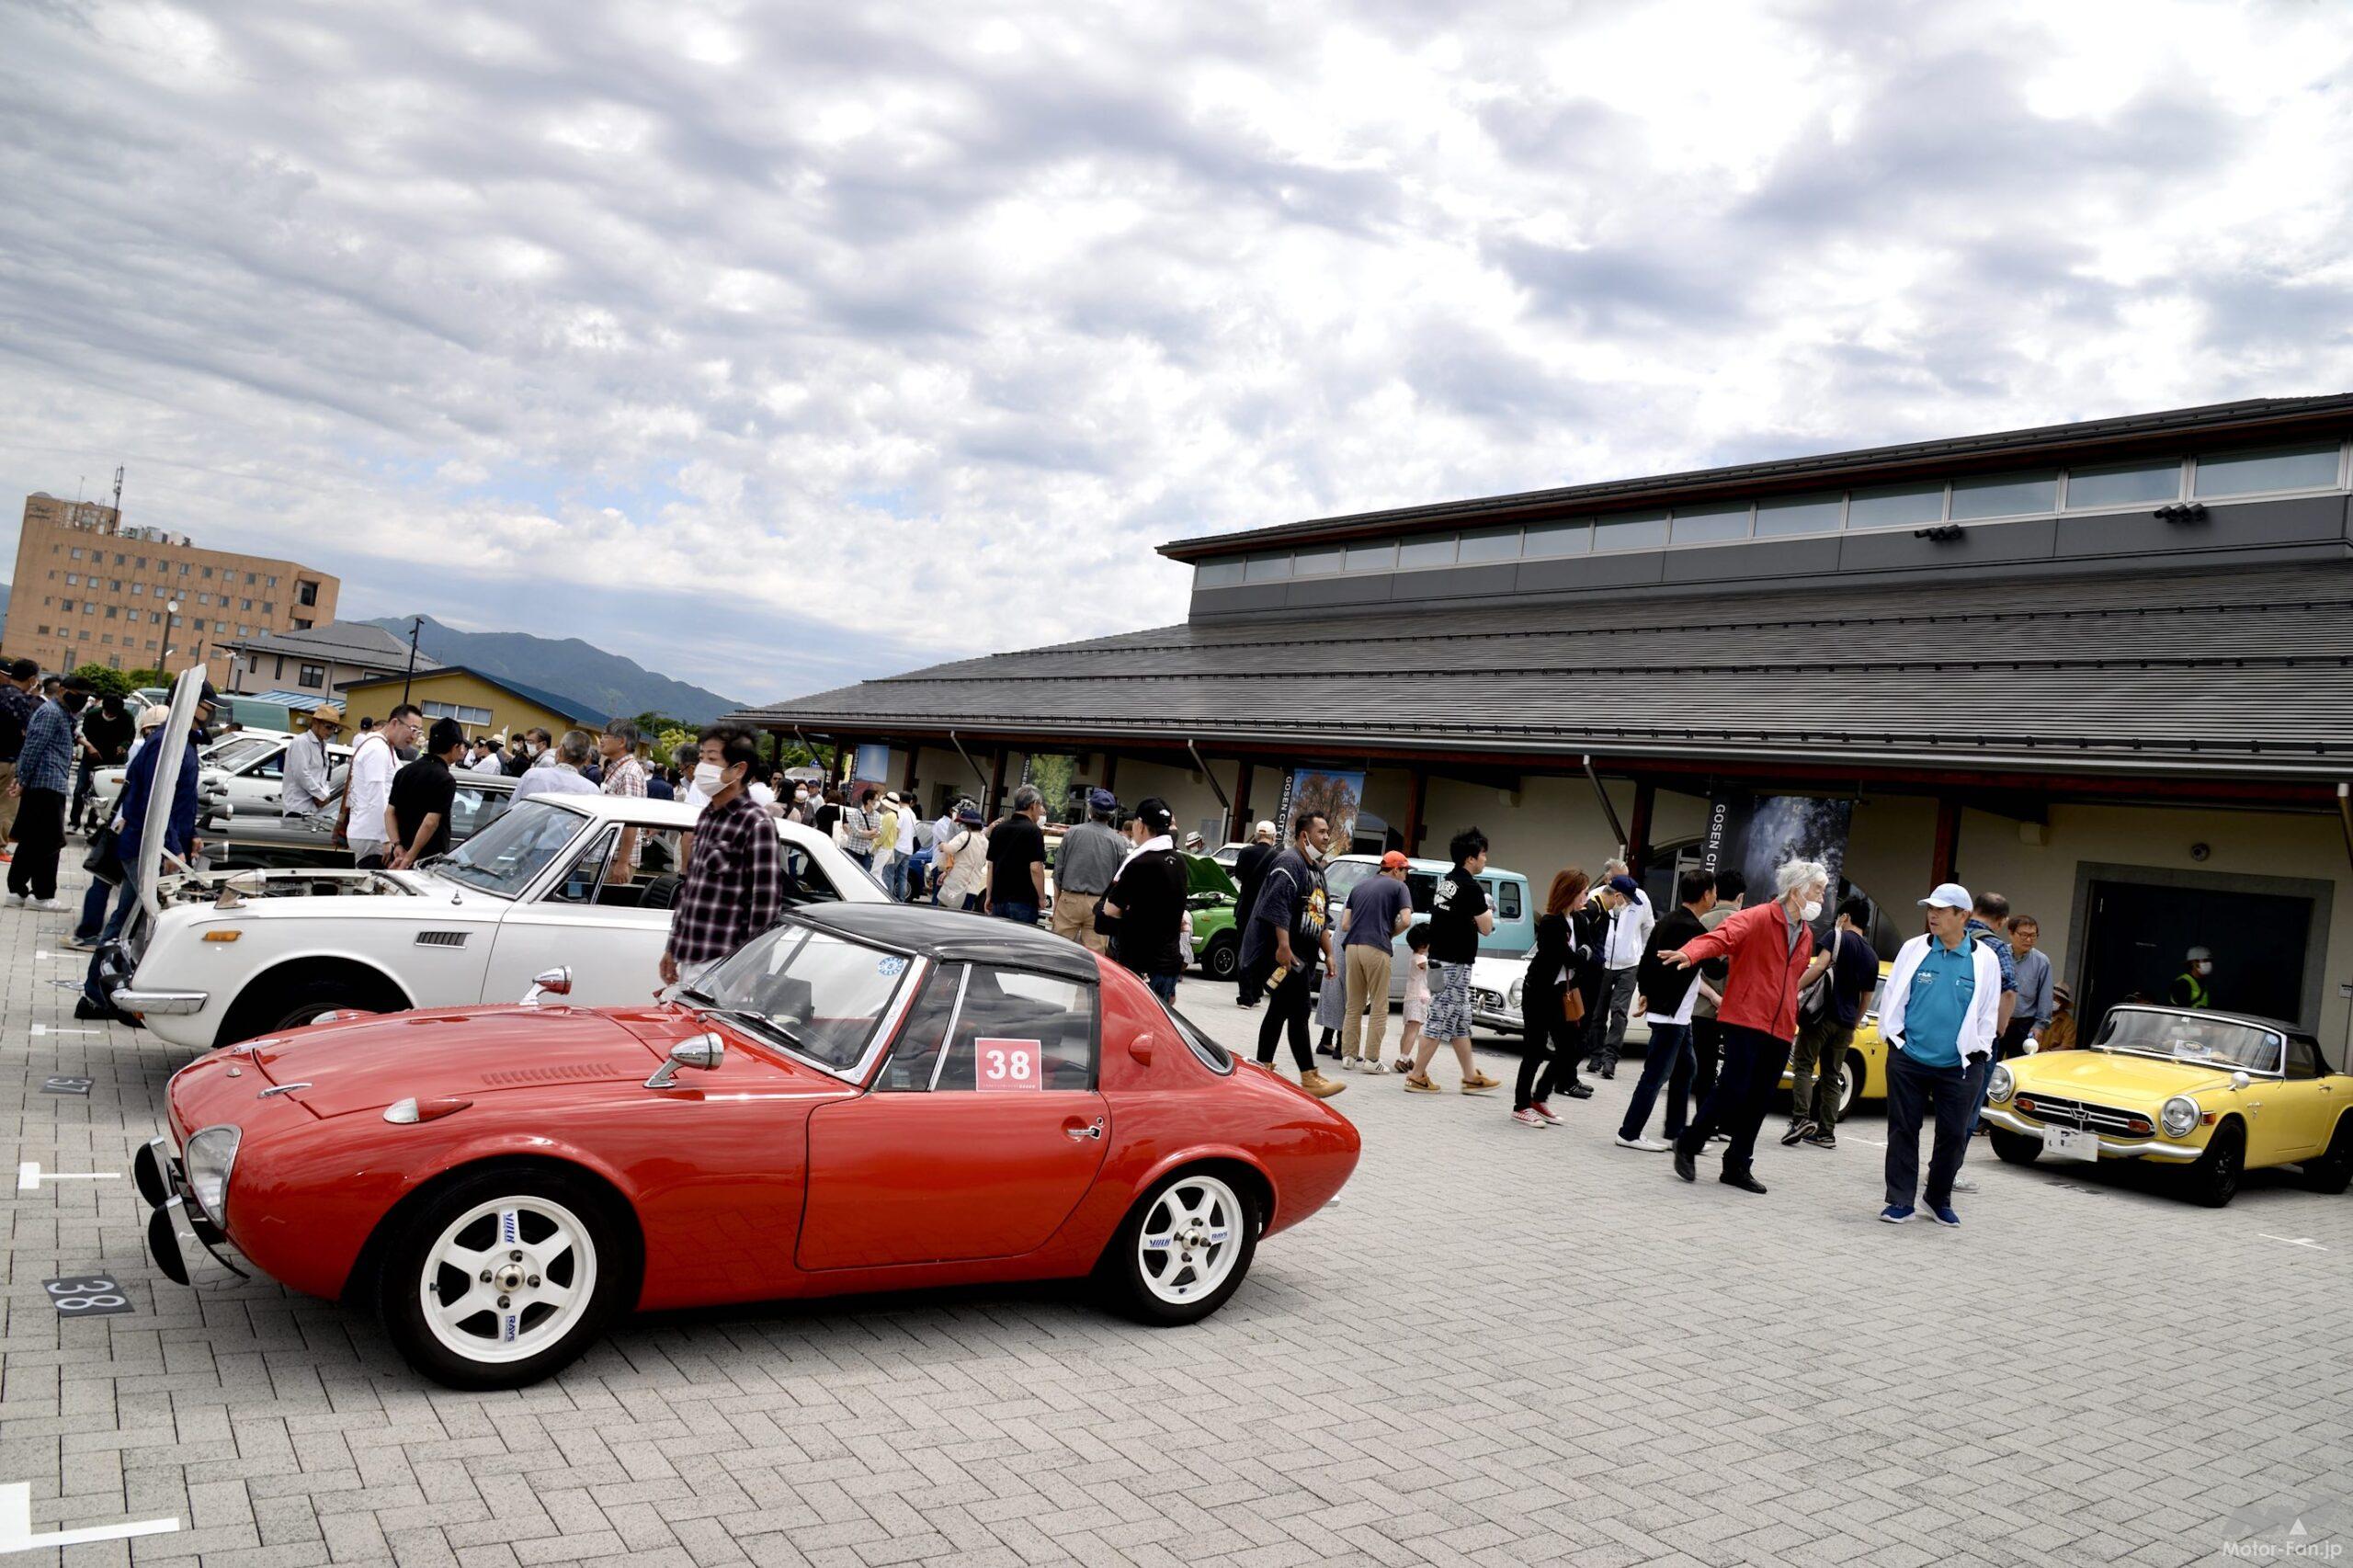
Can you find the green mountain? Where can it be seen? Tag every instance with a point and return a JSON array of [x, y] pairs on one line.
[[598, 681]]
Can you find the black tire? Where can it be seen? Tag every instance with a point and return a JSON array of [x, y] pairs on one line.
[[1121, 1276], [2213, 1180], [1852, 1072], [2017, 1148], [305, 1002], [612, 1259], [2333, 1172], [1222, 959]]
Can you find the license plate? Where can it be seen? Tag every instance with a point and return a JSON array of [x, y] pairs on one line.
[[2071, 1144]]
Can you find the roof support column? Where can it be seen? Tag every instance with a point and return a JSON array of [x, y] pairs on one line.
[[1638, 826], [1417, 790], [1945, 855], [1111, 771], [907, 779], [996, 785], [1237, 818]]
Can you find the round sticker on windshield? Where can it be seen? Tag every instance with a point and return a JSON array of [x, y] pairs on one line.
[[891, 968]]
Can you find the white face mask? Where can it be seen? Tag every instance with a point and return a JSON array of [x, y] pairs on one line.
[[707, 776], [800, 797], [1314, 856], [1812, 912]]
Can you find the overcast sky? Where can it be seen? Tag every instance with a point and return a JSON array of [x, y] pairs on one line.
[[776, 345]]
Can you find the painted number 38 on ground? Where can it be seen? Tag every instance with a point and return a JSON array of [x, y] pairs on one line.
[[866, 1097]]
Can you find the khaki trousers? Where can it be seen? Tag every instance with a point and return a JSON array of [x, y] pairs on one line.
[[1368, 982], [1073, 917]]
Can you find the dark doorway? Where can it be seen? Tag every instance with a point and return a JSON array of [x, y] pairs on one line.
[[2140, 932]]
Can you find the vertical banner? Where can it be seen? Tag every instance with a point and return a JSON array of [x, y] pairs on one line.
[[1755, 834], [872, 766], [1336, 795]]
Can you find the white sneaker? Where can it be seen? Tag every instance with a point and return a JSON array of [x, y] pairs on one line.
[[1647, 1145], [20, 901], [1372, 1064], [48, 905], [1962, 1184]]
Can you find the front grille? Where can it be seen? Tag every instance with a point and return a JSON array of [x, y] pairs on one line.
[[1483, 997], [2077, 1113]]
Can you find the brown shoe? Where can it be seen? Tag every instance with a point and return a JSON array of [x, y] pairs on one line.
[[1479, 1084], [1315, 1084]]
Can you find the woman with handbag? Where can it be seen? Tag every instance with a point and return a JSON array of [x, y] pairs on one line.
[[1553, 1001]]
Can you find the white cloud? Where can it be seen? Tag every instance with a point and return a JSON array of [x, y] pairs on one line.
[[883, 332]]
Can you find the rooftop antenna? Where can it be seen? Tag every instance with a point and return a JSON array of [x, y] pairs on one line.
[[118, 497]]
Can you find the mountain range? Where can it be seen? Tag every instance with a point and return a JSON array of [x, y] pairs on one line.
[[598, 681]]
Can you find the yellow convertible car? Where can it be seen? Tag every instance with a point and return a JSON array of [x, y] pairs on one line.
[[2216, 1094]]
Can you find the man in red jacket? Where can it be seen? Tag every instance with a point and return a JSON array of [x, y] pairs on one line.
[[1770, 947]]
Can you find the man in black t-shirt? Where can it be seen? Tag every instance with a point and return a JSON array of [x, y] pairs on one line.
[[1286, 943], [1458, 917], [1145, 904], [424, 794], [1825, 1032], [1017, 861], [106, 736], [1249, 871]]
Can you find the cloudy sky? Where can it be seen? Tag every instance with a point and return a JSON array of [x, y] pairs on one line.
[[778, 345]]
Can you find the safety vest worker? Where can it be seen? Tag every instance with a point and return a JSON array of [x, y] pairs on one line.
[[2190, 985]]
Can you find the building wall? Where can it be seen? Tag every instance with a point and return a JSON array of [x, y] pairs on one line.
[[120, 584], [509, 713]]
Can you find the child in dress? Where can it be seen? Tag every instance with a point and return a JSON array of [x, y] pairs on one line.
[[1417, 993]]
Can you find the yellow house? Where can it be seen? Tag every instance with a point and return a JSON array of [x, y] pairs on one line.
[[482, 704]]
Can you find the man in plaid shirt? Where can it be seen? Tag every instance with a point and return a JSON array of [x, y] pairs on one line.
[[17, 700], [734, 881], [624, 775], [44, 773]]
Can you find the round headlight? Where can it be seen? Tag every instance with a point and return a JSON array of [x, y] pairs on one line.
[[1512, 996], [1998, 1086], [208, 1159], [2179, 1116]]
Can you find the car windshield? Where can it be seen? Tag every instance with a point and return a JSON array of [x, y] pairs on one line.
[[1341, 877], [504, 857], [231, 755], [818, 994], [2186, 1036]]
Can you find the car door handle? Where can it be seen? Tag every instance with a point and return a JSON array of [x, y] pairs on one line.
[[1092, 1130]]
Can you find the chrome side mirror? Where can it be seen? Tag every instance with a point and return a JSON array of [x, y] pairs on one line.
[[240, 886], [554, 982], [2240, 1080], [702, 1052]]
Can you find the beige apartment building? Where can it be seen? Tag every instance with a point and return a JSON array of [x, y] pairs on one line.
[[89, 591]]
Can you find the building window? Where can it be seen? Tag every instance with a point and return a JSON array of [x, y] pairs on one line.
[[73, 579], [2123, 484], [1316, 562], [245, 604], [183, 568], [1895, 506], [244, 631], [65, 604], [301, 626], [272, 582], [208, 571], [1800, 515], [1629, 531], [306, 593], [119, 560], [78, 552], [269, 609], [2275, 468], [111, 612], [1488, 544], [1382, 557], [1430, 550], [309, 677], [462, 714], [139, 589], [2004, 495], [251, 578], [1709, 525], [1266, 568], [115, 585]]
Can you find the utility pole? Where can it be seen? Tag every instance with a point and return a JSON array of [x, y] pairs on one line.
[[415, 625]]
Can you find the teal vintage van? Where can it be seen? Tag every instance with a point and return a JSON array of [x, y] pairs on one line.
[[1508, 897]]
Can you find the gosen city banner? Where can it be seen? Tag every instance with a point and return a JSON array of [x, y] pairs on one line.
[[1755, 834]]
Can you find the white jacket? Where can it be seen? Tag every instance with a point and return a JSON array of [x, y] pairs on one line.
[[1977, 1028]]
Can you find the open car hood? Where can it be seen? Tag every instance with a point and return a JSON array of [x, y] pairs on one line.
[[1206, 875], [367, 1062]]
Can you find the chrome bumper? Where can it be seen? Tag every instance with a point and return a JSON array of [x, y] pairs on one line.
[[185, 1244], [160, 1002], [2109, 1148]]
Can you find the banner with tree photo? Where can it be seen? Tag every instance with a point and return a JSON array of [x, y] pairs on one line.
[[1755, 834], [1338, 795]]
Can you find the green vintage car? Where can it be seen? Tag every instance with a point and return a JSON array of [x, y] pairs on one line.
[[1217, 930]]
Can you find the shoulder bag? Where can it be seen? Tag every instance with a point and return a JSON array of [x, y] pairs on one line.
[[1816, 999]]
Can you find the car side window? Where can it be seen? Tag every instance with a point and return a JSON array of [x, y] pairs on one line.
[[586, 873], [804, 882], [2304, 1062], [474, 809], [1506, 899], [914, 1055], [1424, 887], [1015, 1026], [271, 767]]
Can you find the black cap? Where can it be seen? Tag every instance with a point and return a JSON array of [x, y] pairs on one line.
[[207, 697], [76, 683]]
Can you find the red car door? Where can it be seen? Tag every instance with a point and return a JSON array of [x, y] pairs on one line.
[[980, 1136]]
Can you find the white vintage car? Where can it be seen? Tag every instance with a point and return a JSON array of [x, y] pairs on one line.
[[244, 771], [553, 882]]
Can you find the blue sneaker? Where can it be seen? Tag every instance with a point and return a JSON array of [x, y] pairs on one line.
[[1947, 1218], [1896, 1213]]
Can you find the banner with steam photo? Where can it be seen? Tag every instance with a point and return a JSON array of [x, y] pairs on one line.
[[1755, 834], [1339, 796]]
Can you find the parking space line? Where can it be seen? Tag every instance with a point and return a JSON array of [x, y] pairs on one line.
[[29, 1176], [17, 1525]]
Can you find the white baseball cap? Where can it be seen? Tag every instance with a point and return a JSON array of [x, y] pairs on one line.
[[1949, 895], [1264, 830]]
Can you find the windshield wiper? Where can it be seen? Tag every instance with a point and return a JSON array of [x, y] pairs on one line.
[[760, 1023], [696, 993]]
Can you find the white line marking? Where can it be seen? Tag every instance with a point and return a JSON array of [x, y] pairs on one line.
[[2292, 1241], [40, 1029], [1872, 1141], [17, 1525], [45, 953], [29, 1176]]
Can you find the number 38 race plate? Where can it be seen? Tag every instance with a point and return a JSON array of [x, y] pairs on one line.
[[1011, 1063]]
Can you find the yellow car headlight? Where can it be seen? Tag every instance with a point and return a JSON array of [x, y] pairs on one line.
[[2180, 1114], [1999, 1086]]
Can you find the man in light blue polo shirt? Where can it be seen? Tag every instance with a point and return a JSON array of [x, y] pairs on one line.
[[1939, 1011]]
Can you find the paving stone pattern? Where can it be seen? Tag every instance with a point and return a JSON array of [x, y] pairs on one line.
[[1500, 1347]]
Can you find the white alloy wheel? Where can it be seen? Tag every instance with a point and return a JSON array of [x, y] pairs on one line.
[[508, 1279], [1189, 1240]]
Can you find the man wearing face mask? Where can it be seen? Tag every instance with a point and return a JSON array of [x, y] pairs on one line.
[[1770, 947], [735, 881], [2189, 987], [44, 773], [368, 795]]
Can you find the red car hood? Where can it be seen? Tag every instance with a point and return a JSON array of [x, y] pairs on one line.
[[364, 1063]]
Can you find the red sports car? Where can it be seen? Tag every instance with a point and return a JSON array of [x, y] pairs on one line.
[[867, 1097]]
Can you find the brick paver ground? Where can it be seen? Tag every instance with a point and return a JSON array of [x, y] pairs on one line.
[[1500, 1347]]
